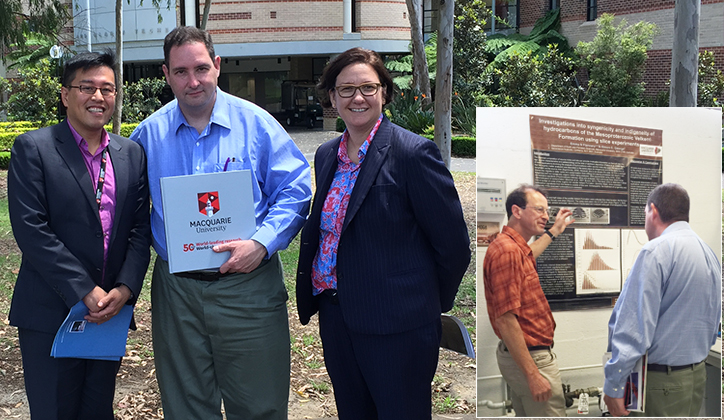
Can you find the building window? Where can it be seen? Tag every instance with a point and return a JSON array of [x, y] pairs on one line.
[[355, 15], [430, 11], [591, 10], [555, 4], [273, 14], [506, 19]]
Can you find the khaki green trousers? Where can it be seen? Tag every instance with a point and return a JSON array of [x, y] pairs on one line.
[[222, 340], [678, 393]]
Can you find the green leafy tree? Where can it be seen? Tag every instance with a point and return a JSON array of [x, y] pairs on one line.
[[35, 95], [19, 18], [529, 79], [544, 33], [469, 41], [36, 48], [711, 81], [401, 67], [141, 99], [615, 61]]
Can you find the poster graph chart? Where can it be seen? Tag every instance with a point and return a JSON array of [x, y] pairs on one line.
[[590, 242], [598, 261], [632, 240]]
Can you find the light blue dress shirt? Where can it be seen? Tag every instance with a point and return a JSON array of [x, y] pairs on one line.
[[249, 138], [670, 305]]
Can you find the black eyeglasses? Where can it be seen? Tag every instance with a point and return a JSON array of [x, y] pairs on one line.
[[538, 209], [91, 90], [348, 91]]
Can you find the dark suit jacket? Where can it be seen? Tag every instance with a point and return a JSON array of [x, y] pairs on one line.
[[404, 245], [55, 221]]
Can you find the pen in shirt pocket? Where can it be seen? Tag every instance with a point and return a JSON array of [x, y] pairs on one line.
[[230, 159]]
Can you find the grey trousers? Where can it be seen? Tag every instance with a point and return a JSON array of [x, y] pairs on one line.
[[523, 403], [227, 339]]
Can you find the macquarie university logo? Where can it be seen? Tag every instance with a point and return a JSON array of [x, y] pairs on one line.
[[209, 203]]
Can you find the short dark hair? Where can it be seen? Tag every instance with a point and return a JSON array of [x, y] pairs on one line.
[[519, 197], [672, 202], [89, 60], [353, 56], [186, 35]]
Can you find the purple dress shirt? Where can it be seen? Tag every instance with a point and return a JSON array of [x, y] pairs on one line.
[[107, 210]]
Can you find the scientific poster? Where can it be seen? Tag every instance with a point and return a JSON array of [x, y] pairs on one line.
[[603, 173]]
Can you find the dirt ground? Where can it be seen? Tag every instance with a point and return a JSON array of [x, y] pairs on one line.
[[137, 395], [311, 395]]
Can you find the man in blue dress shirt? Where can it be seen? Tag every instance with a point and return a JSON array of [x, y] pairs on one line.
[[222, 335], [670, 306]]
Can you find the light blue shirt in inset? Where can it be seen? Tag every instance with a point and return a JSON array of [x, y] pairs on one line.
[[670, 305], [247, 137]]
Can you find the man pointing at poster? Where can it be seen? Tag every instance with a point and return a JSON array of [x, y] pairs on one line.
[[670, 306], [518, 309]]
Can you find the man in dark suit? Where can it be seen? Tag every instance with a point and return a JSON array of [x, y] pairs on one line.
[[383, 251], [79, 209]]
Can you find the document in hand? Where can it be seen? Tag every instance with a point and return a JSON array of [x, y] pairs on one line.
[[634, 397], [81, 339], [204, 210]]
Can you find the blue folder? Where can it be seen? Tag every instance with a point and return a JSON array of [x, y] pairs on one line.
[[80, 339]]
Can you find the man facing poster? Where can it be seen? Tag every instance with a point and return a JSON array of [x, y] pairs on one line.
[[670, 307]]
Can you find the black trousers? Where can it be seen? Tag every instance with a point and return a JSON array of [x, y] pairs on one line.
[[385, 377], [65, 389]]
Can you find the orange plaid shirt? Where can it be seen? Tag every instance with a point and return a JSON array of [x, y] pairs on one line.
[[512, 285]]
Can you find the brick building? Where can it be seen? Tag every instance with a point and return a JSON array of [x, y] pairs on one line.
[[262, 43], [578, 24]]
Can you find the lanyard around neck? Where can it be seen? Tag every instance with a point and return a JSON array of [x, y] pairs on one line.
[[101, 176]]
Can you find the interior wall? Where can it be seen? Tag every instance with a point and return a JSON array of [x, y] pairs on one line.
[[691, 157]]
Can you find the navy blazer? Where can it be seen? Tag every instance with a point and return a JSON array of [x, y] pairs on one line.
[[404, 245], [55, 220]]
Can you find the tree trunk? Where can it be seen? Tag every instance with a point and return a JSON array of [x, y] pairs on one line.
[[443, 85], [207, 7], [420, 76], [685, 53], [119, 68]]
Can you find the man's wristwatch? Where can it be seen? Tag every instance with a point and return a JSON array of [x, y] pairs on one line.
[[548, 232]]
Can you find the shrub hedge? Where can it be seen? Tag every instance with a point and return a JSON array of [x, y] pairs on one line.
[[126, 128], [18, 126], [7, 140], [10, 131], [462, 146], [4, 160]]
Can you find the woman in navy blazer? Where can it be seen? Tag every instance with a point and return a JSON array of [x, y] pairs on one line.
[[383, 251]]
